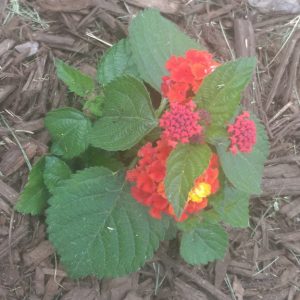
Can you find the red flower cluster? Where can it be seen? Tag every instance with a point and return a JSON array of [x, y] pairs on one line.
[[180, 123], [186, 75], [149, 175], [242, 134], [205, 185]]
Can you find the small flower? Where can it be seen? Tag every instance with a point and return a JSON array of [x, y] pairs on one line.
[[181, 123], [186, 75], [242, 134]]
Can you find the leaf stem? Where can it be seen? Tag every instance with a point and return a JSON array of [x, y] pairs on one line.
[[161, 108]]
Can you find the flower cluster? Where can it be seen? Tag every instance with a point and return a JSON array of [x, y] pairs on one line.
[[149, 176], [186, 75], [242, 134], [181, 123]]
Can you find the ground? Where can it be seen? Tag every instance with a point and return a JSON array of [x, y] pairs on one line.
[[263, 261]]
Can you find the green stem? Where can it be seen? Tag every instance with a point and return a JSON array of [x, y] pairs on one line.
[[161, 108]]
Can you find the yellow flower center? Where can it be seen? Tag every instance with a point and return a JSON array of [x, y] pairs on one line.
[[200, 191]]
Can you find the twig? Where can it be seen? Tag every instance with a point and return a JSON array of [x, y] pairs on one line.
[[267, 266], [195, 278], [18, 142], [226, 40], [90, 34], [11, 223], [297, 20]]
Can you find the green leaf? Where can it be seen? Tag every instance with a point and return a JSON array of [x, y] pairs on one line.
[[153, 39], [127, 115], [55, 171], [69, 130], [33, 199], [77, 82], [171, 232], [98, 228], [232, 206], [220, 93], [185, 163], [244, 170], [94, 106], [102, 158], [189, 224], [117, 62], [211, 216], [204, 243]]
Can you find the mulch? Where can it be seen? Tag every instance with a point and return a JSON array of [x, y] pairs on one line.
[[263, 261]]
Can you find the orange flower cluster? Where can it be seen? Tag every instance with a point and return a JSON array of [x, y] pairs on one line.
[[149, 188], [180, 124], [186, 75]]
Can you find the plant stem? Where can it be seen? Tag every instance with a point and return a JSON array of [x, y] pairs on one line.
[[162, 107]]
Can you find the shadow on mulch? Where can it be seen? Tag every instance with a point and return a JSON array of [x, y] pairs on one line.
[[263, 261]]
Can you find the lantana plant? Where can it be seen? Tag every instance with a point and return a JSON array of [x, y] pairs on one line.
[[128, 171]]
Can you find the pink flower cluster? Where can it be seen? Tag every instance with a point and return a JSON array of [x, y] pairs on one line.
[[242, 134], [181, 123]]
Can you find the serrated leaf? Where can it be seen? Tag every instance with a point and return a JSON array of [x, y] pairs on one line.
[[77, 82], [153, 39], [33, 199], [98, 228], [69, 130], [204, 243], [185, 163], [232, 206], [220, 93], [244, 170], [55, 171], [127, 115], [94, 106], [116, 62]]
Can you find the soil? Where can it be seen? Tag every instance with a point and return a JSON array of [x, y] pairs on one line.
[[263, 261]]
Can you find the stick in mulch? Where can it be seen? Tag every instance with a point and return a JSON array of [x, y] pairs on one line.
[[218, 13], [194, 277], [280, 69], [245, 46]]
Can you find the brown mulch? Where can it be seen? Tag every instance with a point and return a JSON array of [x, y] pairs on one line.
[[263, 261]]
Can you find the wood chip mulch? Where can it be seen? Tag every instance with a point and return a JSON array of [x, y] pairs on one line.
[[263, 261]]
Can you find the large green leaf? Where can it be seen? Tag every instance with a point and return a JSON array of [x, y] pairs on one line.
[[127, 115], [244, 170], [153, 39], [98, 228], [232, 206], [185, 163], [220, 93], [77, 82], [117, 61], [55, 171], [33, 199], [69, 130], [204, 243]]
